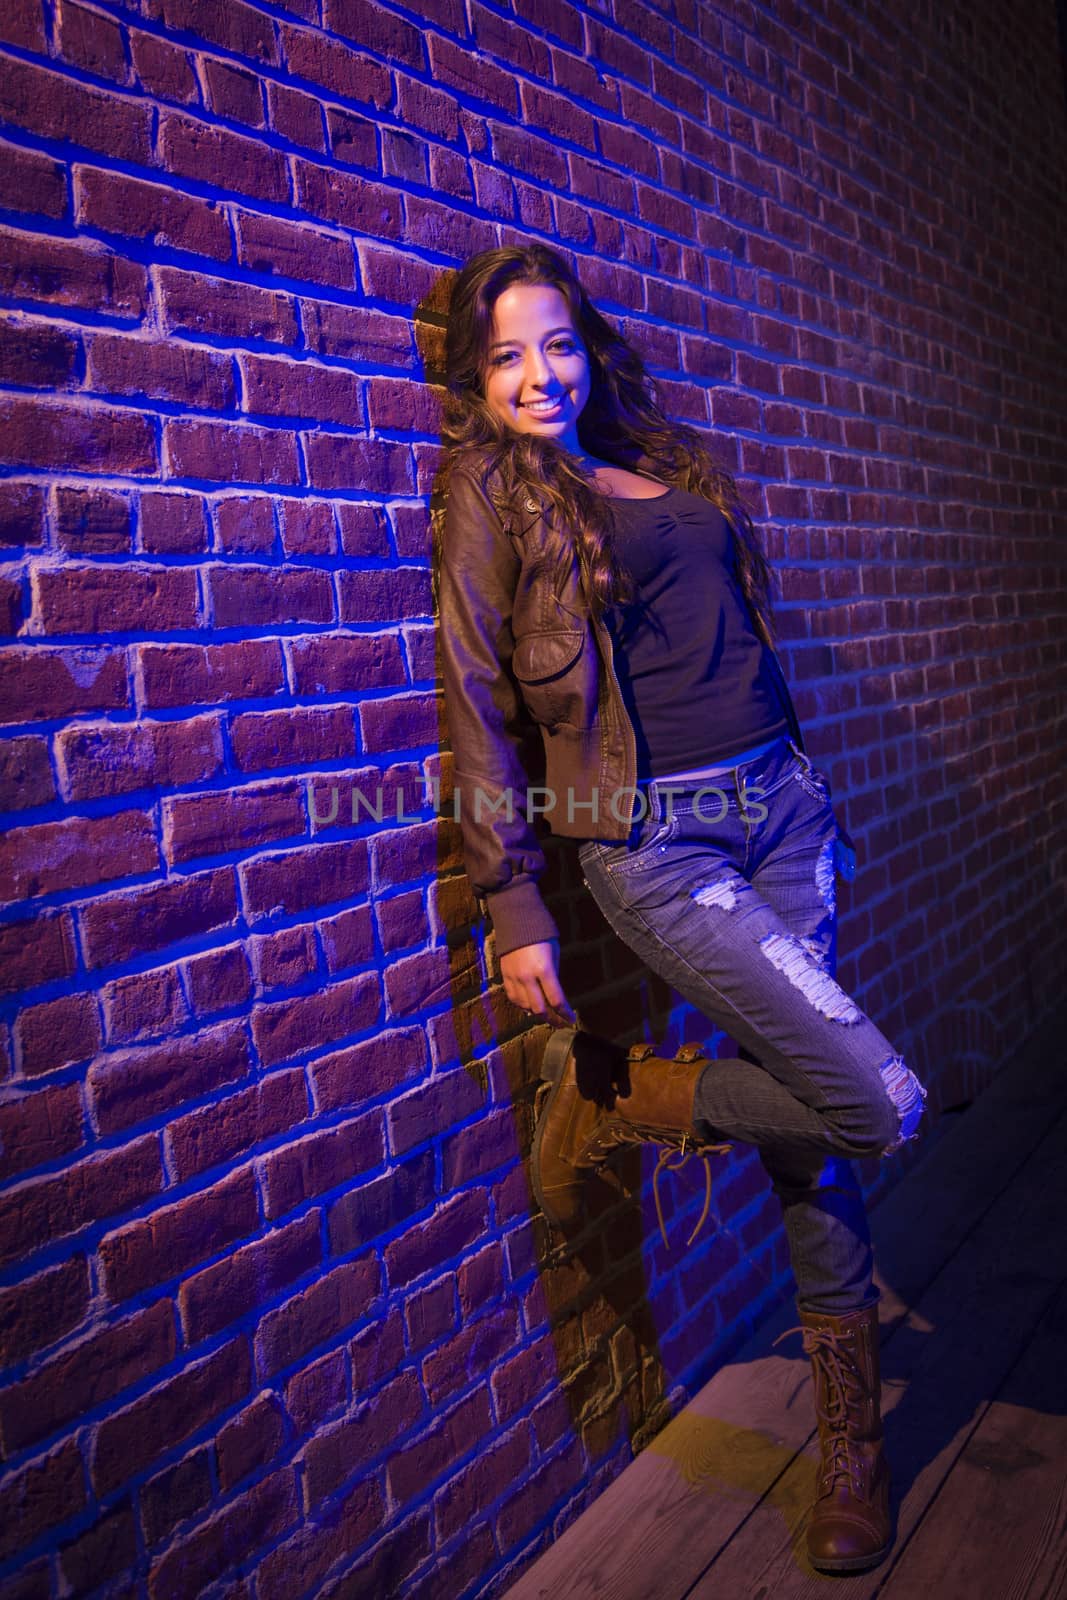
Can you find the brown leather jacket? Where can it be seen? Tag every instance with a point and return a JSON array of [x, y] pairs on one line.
[[518, 656]]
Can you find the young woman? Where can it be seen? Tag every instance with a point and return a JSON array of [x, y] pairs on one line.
[[601, 586]]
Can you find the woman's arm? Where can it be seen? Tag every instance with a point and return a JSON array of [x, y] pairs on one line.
[[479, 571]]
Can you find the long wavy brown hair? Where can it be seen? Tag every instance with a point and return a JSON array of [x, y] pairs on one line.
[[621, 421]]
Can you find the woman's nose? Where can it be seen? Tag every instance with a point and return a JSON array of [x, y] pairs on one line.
[[537, 368]]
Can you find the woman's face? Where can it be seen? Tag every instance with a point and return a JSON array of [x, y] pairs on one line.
[[537, 379]]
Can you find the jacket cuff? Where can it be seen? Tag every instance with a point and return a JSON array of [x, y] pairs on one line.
[[519, 916]]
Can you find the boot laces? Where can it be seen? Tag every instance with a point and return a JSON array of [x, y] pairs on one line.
[[666, 1163], [838, 1378]]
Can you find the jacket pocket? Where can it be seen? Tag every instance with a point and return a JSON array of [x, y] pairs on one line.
[[553, 668]]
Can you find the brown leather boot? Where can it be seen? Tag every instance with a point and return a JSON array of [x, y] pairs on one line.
[[850, 1526], [597, 1097]]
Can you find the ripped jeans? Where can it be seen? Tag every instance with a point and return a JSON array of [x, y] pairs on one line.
[[730, 897]]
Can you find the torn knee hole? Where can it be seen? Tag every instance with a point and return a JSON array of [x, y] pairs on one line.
[[908, 1098]]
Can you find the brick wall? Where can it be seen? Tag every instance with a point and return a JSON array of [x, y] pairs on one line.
[[276, 1314]]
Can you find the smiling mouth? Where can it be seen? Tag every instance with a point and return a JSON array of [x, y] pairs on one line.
[[539, 407]]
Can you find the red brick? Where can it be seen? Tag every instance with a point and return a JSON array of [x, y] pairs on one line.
[[258, 596], [140, 921], [89, 40], [218, 980], [411, 1468], [22, 507], [297, 117], [373, 1208], [119, 204], [286, 1028], [317, 1162], [41, 683], [433, 1108], [478, 1149], [76, 438], [364, 531], [241, 29], [216, 823], [244, 523], [251, 1440], [92, 522], [295, 737], [400, 723], [296, 880], [301, 389], [86, 1375], [256, 1518], [343, 72], [515, 1383], [102, 599], [70, 272], [319, 1313], [106, 1549], [128, 1440], [235, 1124], [12, 605], [194, 302], [319, 1545], [22, 23], [391, 1562], [552, 1483], [343, 663], [164, 70], [365, 1071], [216, 156], [353, 140], [115, 758], [56, 106], [56, 1034], [193, 674], [347, 199], [307, 527], [284, 958], [35, 355], [356, 333], [233, 93], [275, 245], [249, 1277], [231, 453], [39, 1311], [126, 1086], [172, 524], [463, 1500], [456, 1224], [145, 1005], [377, 1351], [35, 951], [379, 466], [174, 1495], [42, 1210], [161, 370], [317, 1392], [39, 1127], [335, 1453], [74, 854], [39, 1497], [171, 1239], [31, 182], [475, 1349], [348, 939], [25, 774], [386, 595]]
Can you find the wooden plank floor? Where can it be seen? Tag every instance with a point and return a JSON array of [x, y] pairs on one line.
[[972, 1265]]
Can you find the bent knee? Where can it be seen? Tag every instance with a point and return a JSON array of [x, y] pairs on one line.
[[906, 1096], [878, 1122], [891, 1115]]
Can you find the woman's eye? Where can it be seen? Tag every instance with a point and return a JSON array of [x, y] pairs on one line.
[[562, 346]]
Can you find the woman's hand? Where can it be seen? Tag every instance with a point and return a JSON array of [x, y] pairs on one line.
[[531, 982]]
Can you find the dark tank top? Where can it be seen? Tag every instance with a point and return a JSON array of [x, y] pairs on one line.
[[698, 682]]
